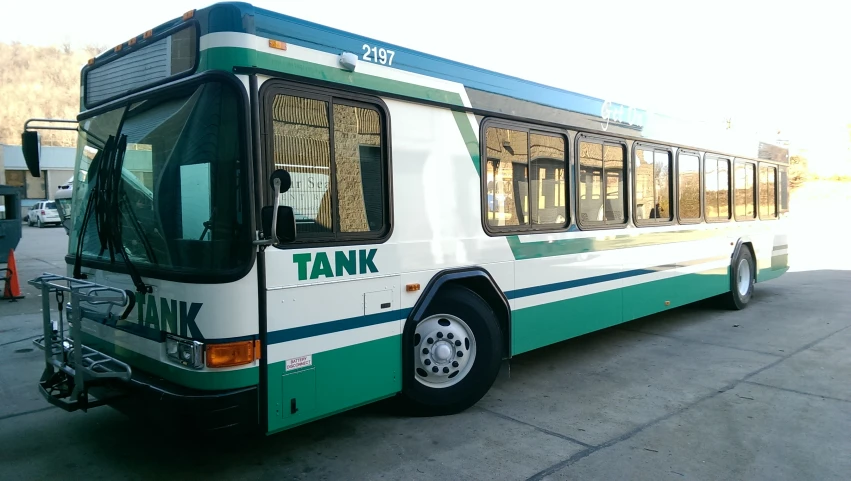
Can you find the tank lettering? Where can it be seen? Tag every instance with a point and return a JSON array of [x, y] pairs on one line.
[[344, 263], [188, 328], [172, 316], [152, 318], [321, 266], [168, 314]]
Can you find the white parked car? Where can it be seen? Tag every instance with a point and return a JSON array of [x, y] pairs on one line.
[[43, 213]]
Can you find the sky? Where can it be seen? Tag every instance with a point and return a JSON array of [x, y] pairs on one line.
[[767, 65]]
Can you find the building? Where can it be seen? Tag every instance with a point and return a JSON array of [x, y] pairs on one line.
[[57, 164]]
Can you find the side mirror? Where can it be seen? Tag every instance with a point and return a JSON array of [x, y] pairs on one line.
[[280, 181], [281, 217], [285, 227], [31, 145]]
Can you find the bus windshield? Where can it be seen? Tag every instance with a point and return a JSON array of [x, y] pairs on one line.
[[181, 199]]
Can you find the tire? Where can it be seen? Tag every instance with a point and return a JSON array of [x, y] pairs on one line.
[[455, 312], [40, 223], [742, 274]]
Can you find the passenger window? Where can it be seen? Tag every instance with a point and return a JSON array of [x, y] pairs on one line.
[[689, 187], [783, 182], [745, 192], [767, 192], [652, 186], [507, 177], [525, 179], [717, 189], [601, 201], [346, 196], [548, 181], [357, 160]]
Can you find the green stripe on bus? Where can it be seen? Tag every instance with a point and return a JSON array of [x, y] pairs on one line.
[[772, 273], [204, 380], [337, 380], [545, 324], [466, 129], [225, 58], [637, 238]]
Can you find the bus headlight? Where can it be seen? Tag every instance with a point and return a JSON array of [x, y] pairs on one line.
[[185, 351]]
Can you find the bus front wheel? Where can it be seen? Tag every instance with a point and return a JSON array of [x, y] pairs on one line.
[[742, 273], [456, 353]]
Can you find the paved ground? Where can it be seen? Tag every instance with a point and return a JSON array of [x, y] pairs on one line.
[[40, 250], [694, 393]]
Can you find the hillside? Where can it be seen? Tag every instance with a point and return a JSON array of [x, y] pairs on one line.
[[39, 82]]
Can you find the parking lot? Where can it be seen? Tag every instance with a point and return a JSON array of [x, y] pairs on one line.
[[693, 393]]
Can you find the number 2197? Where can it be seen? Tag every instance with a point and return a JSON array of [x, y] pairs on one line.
[[378, 55]]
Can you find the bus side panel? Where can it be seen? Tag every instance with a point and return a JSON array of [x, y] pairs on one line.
[[335, 381], [333, 330], [548, 323], [773, 260], [676, 274], [651, 297], [557, 297]]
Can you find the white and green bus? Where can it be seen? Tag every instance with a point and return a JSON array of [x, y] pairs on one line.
[[274, 221]]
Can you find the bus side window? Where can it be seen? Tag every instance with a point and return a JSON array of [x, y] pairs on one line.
[[767, 192], [602, 197], [334, 152], [508, 177], [717, 189], [745, 198], [783, 194], [652, 186], [688, 168], [302, 146]]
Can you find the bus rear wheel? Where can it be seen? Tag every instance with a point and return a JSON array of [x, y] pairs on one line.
[[742, 274], [456, 354]]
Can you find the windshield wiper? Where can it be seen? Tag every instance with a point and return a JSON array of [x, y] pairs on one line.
[[137, 228], [104, 204]]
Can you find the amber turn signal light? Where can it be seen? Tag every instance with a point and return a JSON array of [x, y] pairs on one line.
[[277, 44], [232, 353]]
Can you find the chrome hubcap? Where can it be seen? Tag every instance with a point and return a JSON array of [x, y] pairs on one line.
[[444, 350], [744, 280]]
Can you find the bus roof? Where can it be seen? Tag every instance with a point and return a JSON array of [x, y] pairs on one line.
[[485, 88]]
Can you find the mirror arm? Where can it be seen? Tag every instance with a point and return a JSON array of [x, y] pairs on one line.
[[276, 182]]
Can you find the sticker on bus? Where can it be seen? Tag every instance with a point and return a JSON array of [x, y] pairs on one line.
[[299, 362]]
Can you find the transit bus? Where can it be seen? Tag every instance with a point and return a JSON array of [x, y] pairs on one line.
[[274, 221]]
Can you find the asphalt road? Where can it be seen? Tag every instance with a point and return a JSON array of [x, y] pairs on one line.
[[693, 393]]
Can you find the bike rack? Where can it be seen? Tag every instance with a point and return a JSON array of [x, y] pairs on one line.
[[71, 367]]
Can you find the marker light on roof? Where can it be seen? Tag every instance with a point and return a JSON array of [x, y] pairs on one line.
[[188, 15], [277, 44], [131, 42], [148, 34], [117, 48]]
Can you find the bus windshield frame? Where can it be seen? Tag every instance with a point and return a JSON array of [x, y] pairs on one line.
[[186, 207]]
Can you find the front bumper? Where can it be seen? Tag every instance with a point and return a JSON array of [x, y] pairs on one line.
[[77, 377], [138, 394], [155, 400]]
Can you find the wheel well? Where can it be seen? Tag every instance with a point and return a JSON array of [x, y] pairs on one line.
[[749, 245], [475, 279], [485, 289]]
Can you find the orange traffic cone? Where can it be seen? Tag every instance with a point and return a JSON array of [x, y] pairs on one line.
[[12, 290]]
